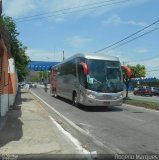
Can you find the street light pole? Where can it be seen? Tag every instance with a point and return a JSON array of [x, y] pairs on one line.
[[63, 56]]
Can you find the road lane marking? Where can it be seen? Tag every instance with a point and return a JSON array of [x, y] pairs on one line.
[[134, 118], [83, 124], [58, 113], [74, 140], [117, 150]]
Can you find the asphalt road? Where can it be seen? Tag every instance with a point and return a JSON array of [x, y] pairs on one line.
[[124, 129]]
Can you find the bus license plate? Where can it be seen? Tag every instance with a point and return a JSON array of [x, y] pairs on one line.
[[106, 102]]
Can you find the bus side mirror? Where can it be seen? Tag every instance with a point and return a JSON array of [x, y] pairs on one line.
[[85, 68], [128, 71]]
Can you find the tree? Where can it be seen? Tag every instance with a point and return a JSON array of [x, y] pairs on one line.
[[17, 48], [44, 76], [136, 72]]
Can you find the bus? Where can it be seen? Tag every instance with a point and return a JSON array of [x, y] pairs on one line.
[[89, 80]]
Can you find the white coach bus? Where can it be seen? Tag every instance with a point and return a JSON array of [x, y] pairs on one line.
[[89, 80]]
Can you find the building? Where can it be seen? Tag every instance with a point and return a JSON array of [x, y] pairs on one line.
[[4, 78], [8, 75], [0, 7]]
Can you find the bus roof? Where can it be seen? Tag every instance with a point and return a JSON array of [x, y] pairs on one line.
[[90, 56]]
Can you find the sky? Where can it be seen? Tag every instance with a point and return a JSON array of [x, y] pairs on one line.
[[87, 26]]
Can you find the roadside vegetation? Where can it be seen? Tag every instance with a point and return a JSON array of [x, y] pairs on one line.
[[141, 103], [17, 49], [136, 72]]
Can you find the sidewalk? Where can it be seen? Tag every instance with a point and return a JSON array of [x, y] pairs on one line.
[[29, 130]]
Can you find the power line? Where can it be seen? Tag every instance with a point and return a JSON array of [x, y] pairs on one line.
[[65, 9], [41, 17], [135, 38], [115, 45], [64, 13], [153, 70], [143, 60]]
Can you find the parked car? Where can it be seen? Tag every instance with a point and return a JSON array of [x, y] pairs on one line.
[[21, 84], [155, 91], [32, 85], [143, 91]]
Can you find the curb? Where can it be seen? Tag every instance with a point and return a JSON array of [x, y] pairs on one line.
[[140, 107], [87, 141]]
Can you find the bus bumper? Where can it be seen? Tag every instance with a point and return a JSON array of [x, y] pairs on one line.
[[96, 102]]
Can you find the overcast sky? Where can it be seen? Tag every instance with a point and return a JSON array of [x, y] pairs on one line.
[[95, 25]]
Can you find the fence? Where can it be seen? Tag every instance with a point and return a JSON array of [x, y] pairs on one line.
[[151, 82]]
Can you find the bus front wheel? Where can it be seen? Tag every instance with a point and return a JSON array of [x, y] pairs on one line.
[[75, 99]]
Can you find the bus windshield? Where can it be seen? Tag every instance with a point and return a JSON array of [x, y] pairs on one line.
[[104, 76]]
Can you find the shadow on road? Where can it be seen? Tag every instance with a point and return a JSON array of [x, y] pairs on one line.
[[92, 108], [45, 89], [100, 109], [12, 129], [64, 100], [137, 112]]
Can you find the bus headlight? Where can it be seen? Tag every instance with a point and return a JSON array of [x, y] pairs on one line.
[[90, 94], [121, 96], [117, 96]]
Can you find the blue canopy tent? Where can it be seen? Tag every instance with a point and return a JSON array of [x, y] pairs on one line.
[[151, 79], [40, 65]]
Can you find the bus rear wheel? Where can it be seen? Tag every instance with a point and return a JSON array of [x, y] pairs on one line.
[[75, 100]]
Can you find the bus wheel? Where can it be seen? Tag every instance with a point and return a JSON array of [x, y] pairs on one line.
[[75, 100]]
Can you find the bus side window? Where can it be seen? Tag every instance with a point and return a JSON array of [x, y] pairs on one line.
[[81, 75]]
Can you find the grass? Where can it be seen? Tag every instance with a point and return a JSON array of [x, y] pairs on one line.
[[141, 103]]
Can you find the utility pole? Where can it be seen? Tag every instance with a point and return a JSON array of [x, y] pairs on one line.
[[54, 54], [123, 63], [63, 56]]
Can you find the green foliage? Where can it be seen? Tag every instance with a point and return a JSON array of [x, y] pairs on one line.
[[39, 76], [141, 103], [17, 48], [44, 75], [150, 84], [34, 79], [138, 71]]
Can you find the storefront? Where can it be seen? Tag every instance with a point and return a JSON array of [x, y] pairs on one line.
[[4, 78]]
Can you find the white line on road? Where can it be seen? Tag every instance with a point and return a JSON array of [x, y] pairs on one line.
[[83, 124], [77, 127], [74, 140], [133, 118], [59, 114]]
